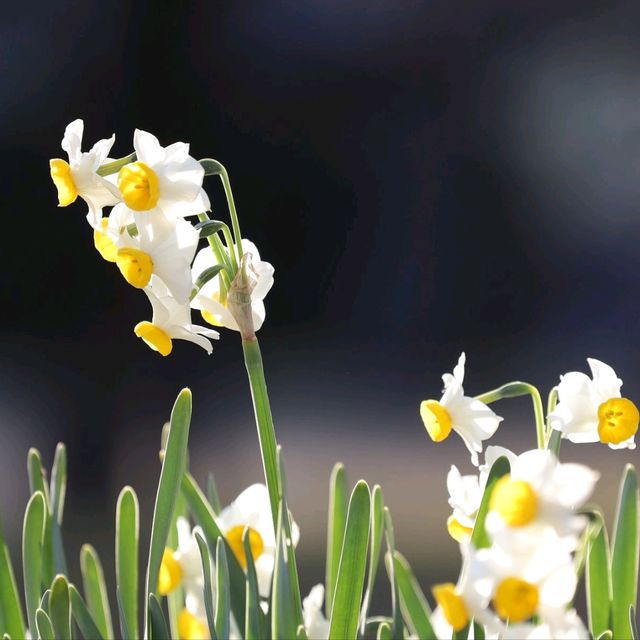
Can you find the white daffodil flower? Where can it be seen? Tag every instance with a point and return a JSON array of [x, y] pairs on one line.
[[252, 509], [519, 586], [78, 176], [536, 502], [107, 235], [165, 178], [315, 624], [161, 246], [591, 410], [444, 631], [207, 299], [473, 420], [570, 627], [171, 321]]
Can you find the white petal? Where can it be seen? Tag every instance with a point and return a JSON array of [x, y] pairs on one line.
[[148, 149], [605, 380]]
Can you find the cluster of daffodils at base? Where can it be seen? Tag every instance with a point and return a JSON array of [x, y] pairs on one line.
[[148, 236], [523, 584]]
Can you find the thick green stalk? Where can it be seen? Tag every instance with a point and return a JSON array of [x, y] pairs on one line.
[[514, 390], [264, 421]]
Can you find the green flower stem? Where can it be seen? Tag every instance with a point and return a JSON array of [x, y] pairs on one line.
[[229, 241], [224, 176], [264, 422], [115, 166], [552, 400], [222, 258], [514, 390]]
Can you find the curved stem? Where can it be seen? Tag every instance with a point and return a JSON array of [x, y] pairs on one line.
[[224, 176], [514, 390]]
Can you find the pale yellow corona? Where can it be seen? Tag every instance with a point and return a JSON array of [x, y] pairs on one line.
[[155, 337], [452, 605], [234, 538], [458, 531], [617, 420], [139, 186], [136, 266], [515, 501], [515, 600], [63, 180], [190, 628], [437, 420], [214, 319], [104, 244], [170, 573]]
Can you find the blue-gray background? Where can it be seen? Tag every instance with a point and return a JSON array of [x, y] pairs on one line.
[[426, 178]]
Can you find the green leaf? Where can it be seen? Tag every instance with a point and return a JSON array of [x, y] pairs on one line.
[[204, 516], [157, 622], [606, 635], [44, 626], [222, 613], [353, 560], [598, 578], [284, 623], [176, 599], [32, 541], [81, 615], [127, 535], [377, 533], [11, 615], [463, 634], [44, 601], [211, 167], [624, 558], [207, 569], [335, 531], [60, 608], [212, 494], [95, 590], [479, 537], [173, 467], [384, 632], [397, 628], [58, 490], [478, 631], [632, 623], [301, 634], [38, 482], [413, 603], [124, 628], [255, 620], [207, 228]]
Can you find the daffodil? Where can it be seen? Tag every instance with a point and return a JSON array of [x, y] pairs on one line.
[[252, 509], [161, 246], [473, 420], [592, 410], [171, 321], [110, 230], [78, 176], [208, 299], [165, 178], [315, 624], [568, 627]]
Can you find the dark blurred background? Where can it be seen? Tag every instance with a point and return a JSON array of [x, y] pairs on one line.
[[426, 178]]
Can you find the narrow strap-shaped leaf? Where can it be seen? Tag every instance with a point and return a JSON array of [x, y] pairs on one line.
[[633, 623], [124, 628], [606, 635], [60, 608], [205, 557], [463, 634], [204, 516], [38, 482], [10, 608], [44, 601], [95, 590], [478, 631], [335, 530], [176, 599], [598, 578], [82, 616], [44, 626], [58, 490], [413, 603], [397, 629], [384, 632], [223, 608], [212, 494], [479, 537], [32, 541], [377, 534], [353, 560], [255, 621], [157, 623], [284, 623], [173, 467], [624, 557], [127, 536]]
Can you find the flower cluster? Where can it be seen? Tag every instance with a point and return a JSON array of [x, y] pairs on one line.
[[148, 235], [519, 574]]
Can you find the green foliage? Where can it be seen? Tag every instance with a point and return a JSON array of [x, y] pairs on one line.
[[480, 537], [598, 578], [127, 535], [337, 521], [95, 590]]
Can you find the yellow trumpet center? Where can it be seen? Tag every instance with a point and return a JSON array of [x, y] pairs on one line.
[[190, 627], [155, 337], [139, 186], [617, 420], [458, 531], [452, 605], [136, 266], [234, 538], [170, 573], [515, 501], [436, 418], [63, 180], [104, 244], [214, 319], [515, 600]]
